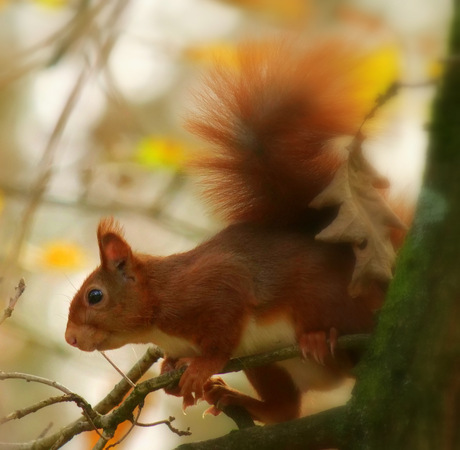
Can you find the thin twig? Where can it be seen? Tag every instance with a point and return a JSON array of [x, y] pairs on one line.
[[391, 92], [117, 369], [19, 289], [131, 428], [111, 420], [100, 444], [88, 411], [20, 413], [45, 167], [165, 220], [352, 342], [35, 379], [45, 431], [112, 399], [167, 422]]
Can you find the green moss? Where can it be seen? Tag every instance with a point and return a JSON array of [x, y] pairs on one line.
[[412, 361]]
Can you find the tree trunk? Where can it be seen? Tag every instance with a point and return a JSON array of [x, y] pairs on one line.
[[408, 390]]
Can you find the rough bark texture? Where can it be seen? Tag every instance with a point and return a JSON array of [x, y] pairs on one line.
[[313, 433], [408, 391]]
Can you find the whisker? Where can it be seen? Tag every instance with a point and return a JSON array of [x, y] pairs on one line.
[[70, 282]]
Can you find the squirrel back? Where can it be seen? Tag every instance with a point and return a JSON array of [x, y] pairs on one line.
[[274, 119]]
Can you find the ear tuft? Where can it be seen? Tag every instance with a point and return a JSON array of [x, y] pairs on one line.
[[109, 225], [115, 252]]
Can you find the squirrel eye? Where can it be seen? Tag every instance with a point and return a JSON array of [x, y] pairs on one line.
[[95, 296]]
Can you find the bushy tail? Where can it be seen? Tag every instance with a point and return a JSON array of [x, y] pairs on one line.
[[274, 119]]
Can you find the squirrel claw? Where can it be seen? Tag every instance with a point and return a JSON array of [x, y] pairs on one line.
[[187, 401], [333, 337], [212, 410], [318, 346]]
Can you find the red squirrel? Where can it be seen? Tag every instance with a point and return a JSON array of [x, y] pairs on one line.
[[275, 119]]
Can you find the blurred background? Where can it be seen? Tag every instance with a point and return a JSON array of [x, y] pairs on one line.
[[93, 95]]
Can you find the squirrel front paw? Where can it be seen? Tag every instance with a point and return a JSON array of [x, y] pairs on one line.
[[169, 365], [196, 375]]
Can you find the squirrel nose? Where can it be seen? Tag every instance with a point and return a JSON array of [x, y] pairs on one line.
[[71, 338]]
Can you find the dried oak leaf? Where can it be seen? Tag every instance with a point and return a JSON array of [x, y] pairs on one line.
[[364, 218]]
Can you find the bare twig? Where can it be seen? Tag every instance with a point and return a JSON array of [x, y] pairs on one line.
[[151, 356], [88, 411], [391, 92], [353, 342], [133, 424], [19, 289], [65, 38], [110, 421], [20, 413], [35, 379], [167, 422], [165, 220], [117, 369], [45, 168], [100, 444], [45, 431], [111, 400]]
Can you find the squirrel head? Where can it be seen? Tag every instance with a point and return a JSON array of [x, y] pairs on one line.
[[110, 309]]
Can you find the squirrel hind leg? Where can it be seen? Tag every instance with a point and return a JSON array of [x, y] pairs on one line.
[[280, 399]]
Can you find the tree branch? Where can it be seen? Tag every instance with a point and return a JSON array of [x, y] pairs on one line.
[[112, 399], [319, 431], [167, 422], [137, 396], [19, 289], [34, 378], [20, 413], [106, 420]]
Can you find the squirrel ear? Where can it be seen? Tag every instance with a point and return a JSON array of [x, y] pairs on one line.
[[115, 252]]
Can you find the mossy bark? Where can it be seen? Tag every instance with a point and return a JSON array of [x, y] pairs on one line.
[[408, 390]]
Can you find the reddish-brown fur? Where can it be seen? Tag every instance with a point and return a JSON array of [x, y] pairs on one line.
[[273, 121]]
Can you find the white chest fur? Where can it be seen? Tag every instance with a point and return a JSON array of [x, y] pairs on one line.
[[257, 337], [173, 346], [260, 337]]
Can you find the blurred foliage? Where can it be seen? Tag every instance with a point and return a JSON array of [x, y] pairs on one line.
[[224, 52], [158, 152], [51, 3], [62, 255]]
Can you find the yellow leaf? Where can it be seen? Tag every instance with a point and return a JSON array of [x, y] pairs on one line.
[[160, 152], [225, 53], [287, 10], [2, 201], [51, 4], [374, 75], [435, 70], [62, 255]]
